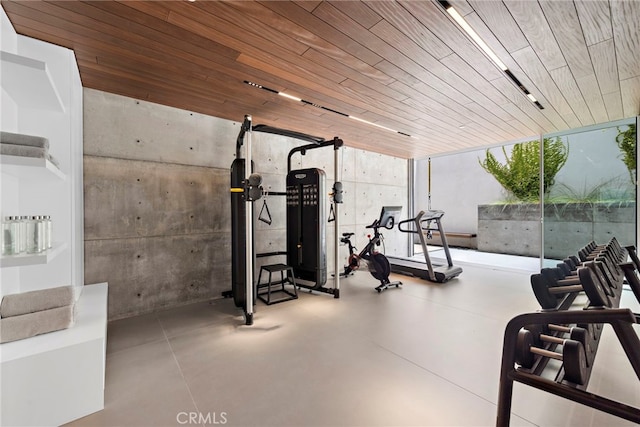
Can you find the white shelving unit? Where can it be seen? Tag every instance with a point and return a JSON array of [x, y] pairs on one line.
[[29, 83], [22, 260], [30, 168], [60, 374], [39, 170], [35, 170], [41, 87]]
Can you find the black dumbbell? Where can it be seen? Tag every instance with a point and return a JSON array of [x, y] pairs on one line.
[[611, 272], [593, 333], [551, 284], [573, 356], [543, 333], [567, 269], [619, 250], [573, 262], [592, 250], [614, 257], [609, 254], [593, 287], [548, 288], [588, 249], [612, 245], [610, 268], [611, 250], [601, 294]]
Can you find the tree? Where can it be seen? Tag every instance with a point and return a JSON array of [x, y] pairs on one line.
[[520, 176], [626, 141]]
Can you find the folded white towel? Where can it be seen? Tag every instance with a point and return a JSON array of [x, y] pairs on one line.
[[23, 151], [33, 301], [22, 139], [32, 324]]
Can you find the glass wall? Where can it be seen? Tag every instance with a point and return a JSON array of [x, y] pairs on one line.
[[593, 195], [480, 214]]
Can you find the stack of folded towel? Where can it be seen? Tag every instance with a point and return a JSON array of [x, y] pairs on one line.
[[14, 144], [36, 312]]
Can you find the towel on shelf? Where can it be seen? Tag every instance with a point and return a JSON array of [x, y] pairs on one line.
[[34, 301], [23, 151], [32, 324], [22, 139]]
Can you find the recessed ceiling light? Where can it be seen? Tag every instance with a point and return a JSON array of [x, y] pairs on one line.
[[295, 98], [286, 95], [465, 26], [485, 48]]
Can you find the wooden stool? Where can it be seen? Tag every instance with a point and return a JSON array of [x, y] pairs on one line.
[[274, 268]]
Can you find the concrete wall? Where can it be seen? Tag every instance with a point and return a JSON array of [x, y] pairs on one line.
[[157, 211], [515, 229]]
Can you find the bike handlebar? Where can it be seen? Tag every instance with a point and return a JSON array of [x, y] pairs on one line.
[[376, 224]]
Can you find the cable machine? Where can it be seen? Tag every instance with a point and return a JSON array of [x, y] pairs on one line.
[[306, 218], [306, 221]]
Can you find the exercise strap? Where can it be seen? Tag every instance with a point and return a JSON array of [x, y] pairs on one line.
[[332, 214], [265, 209]]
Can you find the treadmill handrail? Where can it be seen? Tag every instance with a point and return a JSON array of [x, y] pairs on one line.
[[416, 220], [425, 216], [431, 215]]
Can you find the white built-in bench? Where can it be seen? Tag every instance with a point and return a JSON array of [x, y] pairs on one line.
[[55, 378]]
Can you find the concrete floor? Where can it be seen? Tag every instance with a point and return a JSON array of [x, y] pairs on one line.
[[422, 355]]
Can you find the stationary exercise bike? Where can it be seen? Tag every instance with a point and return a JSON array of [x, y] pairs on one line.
[[376, 261]]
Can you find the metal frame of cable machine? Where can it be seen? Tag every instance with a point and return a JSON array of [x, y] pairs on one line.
[[337, 143], [244, 192]]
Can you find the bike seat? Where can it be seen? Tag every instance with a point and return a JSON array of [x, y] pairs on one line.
[[347, 234]]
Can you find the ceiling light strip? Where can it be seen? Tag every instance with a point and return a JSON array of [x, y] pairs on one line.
[[295, 98], [485, 48], [374, 124]]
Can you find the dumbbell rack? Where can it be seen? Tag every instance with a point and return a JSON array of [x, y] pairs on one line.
[[622, 321], [590, 317]]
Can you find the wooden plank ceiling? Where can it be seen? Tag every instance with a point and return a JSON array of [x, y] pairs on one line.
[[404, 65]]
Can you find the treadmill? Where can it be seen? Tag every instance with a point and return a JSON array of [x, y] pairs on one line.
[[422, 225]]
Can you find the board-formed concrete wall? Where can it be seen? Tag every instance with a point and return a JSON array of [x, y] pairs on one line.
[[515, 228], [157, 204]]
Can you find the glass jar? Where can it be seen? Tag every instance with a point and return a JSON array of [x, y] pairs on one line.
[[42, 235], [34, 234], [10, 234], [48, 231], [22, 225]]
